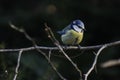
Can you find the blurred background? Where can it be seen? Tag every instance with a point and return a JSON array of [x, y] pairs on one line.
[[102, 22]]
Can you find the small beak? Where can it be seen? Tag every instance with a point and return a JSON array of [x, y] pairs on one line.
[[84, 29]]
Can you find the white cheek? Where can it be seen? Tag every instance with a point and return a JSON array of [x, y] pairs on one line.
[[76, 28]]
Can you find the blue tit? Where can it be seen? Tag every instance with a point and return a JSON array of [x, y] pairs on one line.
[[73, 33]]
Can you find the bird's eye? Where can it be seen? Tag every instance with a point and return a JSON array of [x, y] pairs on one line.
[[76, 28]]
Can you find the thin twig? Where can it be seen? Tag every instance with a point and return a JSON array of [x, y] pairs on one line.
[[111, 63], [54, 68], [75, 65], [49, 55], [18, 64], [95, 61], [59, 47], [56, 42], [64, 47], [36, 47]]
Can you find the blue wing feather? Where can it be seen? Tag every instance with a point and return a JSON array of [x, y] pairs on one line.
[[64, 30]]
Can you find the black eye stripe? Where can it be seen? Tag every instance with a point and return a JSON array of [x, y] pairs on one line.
[[78, 29]]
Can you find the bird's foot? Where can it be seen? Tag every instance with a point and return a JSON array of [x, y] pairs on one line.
[[65, 47], [79, 47]]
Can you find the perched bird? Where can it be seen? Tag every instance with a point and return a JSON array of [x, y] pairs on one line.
[[73, 33]]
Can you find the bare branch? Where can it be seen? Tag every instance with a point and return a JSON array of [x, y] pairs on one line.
[[16, 28], [48, 59], [110, 63], [35, 47], [61, 48], [49, 55], [18, 64], [56, 42], [95, 61], [64, 47]]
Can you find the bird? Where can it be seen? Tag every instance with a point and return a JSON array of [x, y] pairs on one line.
[[73, 33]]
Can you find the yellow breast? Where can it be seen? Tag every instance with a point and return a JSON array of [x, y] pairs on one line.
[[72, 37]]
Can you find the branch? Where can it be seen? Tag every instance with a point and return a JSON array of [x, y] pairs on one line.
[[110, 63], [36, 48], [95, 61], [18, 64], [64, 47], [56, 42], [58, 47]]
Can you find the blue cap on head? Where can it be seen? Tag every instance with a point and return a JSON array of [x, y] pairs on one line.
[[78, 23]]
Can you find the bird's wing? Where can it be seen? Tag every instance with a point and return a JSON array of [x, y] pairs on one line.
[[65, 30]]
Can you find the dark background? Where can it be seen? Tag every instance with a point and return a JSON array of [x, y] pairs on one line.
[[101, 19]]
